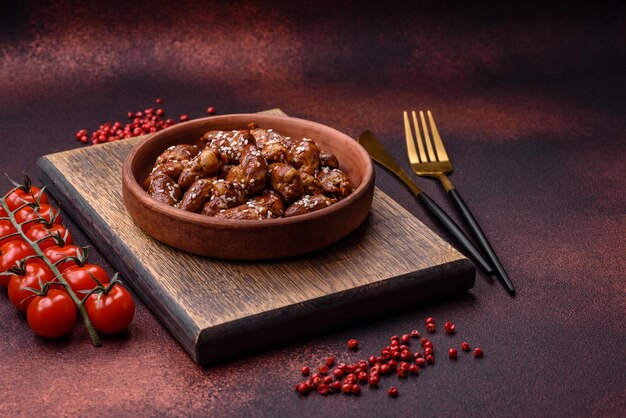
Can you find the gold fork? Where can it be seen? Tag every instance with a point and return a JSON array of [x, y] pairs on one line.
[[433, 161]]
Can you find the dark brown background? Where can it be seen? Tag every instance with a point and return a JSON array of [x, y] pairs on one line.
[[530, 100]]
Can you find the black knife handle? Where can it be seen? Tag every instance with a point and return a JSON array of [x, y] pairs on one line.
[[481, 239], [456, 233]]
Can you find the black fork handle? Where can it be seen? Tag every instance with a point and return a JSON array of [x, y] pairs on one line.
[[481, 239], [459, 236]]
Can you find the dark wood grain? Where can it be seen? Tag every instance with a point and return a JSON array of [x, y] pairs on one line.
[[212, 306]]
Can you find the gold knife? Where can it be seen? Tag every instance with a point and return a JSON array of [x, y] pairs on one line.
[[379, 154]]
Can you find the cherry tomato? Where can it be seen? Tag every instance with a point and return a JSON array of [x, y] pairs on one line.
[[56, 253], [79, 279], [41, 231], [20, 196], [10, 253], [113, 312], [21, 297], [28, 213], [7, 228], [53, 315]]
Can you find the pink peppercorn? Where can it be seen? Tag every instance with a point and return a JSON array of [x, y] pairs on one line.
[[322, 389], [478, 352], [465, 346], [393, 392], [305, 371], [452, 353], [353, 344]]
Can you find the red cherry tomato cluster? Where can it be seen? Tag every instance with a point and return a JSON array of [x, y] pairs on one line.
[[47, 276], [148, 121]]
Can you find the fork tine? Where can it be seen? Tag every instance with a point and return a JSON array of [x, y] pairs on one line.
[[429, 147], [441, 150], [420, 144], [410, 143]]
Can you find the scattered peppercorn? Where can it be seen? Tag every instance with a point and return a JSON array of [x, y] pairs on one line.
[[353, 344], [303, 388], [449, 327], [322, 389], [396, 357], [140, 123]]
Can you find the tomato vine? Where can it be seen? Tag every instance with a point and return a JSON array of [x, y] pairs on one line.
[[39, 253]]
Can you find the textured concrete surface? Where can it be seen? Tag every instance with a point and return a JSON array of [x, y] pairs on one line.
[[530, 101]]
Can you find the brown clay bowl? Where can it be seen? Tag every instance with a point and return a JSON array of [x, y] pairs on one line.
[[242, 239]]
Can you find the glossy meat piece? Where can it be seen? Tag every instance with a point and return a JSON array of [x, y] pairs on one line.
[[205, 164], [190, 175], [308, 204], [270, 200], [306, 156], [164, 189], [310, 184], [208, 161], [286, 180], [254, 168], [226, 144], [181, 153], [335, 182], [265, 137], [276, 152], [171, 168], [236, 176], [196, 197], [225, 195], [328, 159], [247, 212]]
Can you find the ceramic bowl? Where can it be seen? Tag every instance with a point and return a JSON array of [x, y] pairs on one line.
[[245, 239]]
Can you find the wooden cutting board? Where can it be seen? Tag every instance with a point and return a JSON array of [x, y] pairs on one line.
[[217, 308]]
